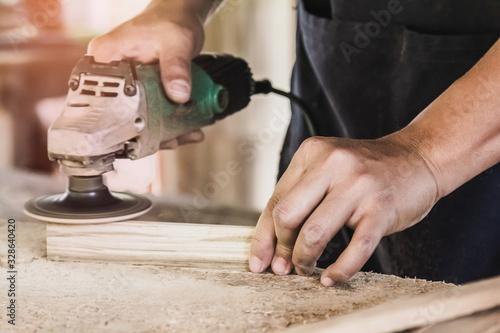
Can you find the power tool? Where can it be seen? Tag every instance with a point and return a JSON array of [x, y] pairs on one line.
[[120, 110]]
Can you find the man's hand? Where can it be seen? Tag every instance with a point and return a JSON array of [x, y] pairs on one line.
[[170, 31], [376, 187], [379, 187]]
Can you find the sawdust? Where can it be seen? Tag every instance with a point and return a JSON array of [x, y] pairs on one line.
[[93, 297]]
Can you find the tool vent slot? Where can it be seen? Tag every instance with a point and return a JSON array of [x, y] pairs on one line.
[[111, 84], [88, 92], [108, 94], [90, 83]]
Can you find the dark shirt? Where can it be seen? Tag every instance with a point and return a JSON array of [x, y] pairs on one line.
[[428, 16], [364, 78]]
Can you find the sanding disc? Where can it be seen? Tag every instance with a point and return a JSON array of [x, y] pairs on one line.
[[87, 200]]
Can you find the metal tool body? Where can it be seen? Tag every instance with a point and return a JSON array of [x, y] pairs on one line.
[[120, 110]]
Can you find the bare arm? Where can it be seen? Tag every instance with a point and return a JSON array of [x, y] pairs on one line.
[[459, 133], [382, 186]]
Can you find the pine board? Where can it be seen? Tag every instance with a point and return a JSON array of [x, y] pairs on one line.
[[422, 311], [149, 242]]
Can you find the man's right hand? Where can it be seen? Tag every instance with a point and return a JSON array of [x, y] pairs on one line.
[[170, 31]]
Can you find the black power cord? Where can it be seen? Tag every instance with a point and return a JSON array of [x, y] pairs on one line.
[[235, 76], [265, 87]]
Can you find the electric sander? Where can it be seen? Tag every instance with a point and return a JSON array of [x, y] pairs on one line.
[[120, 110]]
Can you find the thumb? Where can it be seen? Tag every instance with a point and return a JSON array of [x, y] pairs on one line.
[[175, 64]]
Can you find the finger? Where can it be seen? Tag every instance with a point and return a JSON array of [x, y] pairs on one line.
[[363, 243], [289, 215], [191, 137], [101, 48], [177, 50], [170, 144], [121, 43], [321, 226], [264, 240]]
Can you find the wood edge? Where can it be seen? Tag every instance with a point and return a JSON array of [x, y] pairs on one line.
[[413, 312], [60, 247]]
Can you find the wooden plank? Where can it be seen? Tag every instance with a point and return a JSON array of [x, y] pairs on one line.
[[418, 311], [115, 297], [149, 242], [482, 322]]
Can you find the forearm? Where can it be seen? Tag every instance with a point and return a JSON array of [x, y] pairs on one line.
[[458, 134], [203, 9]]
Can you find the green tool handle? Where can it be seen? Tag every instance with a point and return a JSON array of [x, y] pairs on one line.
[[221, 86]]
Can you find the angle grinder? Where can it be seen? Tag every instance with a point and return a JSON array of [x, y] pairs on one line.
[[120, 110]]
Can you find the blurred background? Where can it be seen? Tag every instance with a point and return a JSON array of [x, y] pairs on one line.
[[236, 165]]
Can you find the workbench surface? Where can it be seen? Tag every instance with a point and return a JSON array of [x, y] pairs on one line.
[[97, 297]]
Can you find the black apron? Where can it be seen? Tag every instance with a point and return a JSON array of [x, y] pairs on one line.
[[369, 86]]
